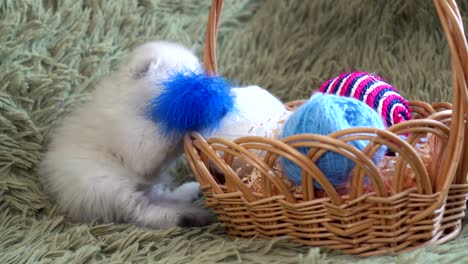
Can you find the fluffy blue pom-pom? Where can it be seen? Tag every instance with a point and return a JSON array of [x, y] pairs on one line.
[[324, 114], [191, 101]]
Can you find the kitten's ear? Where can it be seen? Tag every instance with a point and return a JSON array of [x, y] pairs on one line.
[[148, 68], [153, 67]]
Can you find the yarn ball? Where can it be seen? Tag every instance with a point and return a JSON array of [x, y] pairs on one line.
[[191, 101], [256, 113], [324, 114], [372, 90]]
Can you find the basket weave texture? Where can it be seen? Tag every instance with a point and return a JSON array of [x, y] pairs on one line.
[[392, 218]]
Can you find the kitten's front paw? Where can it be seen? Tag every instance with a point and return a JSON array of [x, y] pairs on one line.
[[195, 218], [188, 192]]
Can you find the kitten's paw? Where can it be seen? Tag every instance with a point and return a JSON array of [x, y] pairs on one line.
[[195, 218], [187, 192]]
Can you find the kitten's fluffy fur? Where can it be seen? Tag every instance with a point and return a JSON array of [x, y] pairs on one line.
[[104, 159]]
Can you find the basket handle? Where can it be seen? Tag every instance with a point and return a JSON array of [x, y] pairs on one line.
[[211, 36]]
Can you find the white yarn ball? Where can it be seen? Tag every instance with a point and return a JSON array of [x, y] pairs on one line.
[[258, 113]]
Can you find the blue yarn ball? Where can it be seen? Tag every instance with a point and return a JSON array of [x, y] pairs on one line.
[[191, 101], [324, 114]]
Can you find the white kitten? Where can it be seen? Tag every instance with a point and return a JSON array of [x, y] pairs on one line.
[[104, 159]]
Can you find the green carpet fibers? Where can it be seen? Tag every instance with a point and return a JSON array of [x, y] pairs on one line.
[[51, 53]]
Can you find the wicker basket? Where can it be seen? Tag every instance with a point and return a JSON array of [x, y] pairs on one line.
[[387, 220]]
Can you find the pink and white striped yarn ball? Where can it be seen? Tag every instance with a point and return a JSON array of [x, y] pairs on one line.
[[372, 90]]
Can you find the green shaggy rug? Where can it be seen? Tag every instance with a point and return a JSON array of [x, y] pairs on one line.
[[52, 51]]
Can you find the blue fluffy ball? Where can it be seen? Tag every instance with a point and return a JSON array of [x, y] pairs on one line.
[[191, 101], [324, 114]]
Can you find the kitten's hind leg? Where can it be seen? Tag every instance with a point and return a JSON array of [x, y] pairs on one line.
[[159, 213], [103, 191]]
